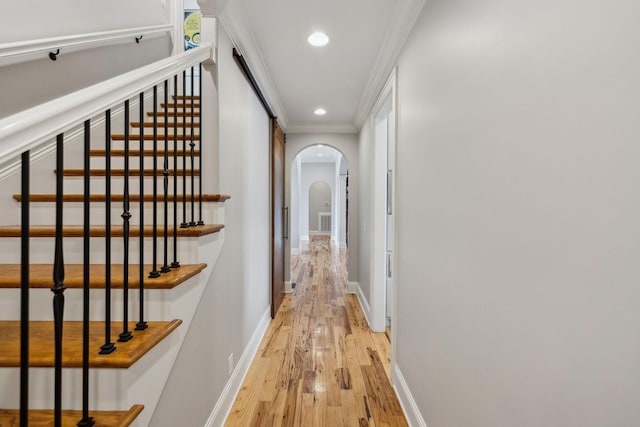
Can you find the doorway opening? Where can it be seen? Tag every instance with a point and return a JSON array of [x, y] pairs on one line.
[[319, 190], [319, 200]]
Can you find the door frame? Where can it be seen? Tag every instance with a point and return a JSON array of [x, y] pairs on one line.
[[378, 264]]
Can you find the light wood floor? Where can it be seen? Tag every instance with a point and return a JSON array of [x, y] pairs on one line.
[[318, 364]]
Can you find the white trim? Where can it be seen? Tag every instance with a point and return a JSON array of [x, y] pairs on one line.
[[287, 287], [404, 18], [352, 287], [364, 304], [72, 43], [30, 128], [295, 251], [322, 129], [225, 402], [408, 403]]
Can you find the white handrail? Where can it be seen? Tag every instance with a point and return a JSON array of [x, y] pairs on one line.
[[30, 128], [77, 41]]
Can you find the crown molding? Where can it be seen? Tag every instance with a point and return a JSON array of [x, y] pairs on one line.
[[244, 41], [321, 129], [402, 23]]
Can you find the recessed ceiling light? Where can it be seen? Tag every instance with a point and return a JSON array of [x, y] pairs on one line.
[[318, 39], [320, 112]]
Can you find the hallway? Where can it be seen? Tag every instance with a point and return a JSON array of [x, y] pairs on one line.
[[319, 364]]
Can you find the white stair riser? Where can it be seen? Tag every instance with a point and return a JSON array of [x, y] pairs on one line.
[[41, 250], [44, 213], [157, 304]]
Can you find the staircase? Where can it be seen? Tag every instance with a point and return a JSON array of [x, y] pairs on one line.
[[133, 270]]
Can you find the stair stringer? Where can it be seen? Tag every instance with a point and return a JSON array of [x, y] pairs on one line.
[[144, 381]]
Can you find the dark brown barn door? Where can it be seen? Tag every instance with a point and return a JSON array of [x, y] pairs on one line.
[[280, 216]]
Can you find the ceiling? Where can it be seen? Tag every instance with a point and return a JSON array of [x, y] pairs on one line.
[[343, 77]]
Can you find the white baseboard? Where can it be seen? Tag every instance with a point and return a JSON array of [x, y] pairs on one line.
[[342, 245], [352, 287], [364, 304], [227, 398], [408, 403], [295, 251], [287, 287]]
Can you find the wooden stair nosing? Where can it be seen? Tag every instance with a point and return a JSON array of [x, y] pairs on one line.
[[70, 418], [40, 276], [99, 231], [41, 343], [186, 96], [170, 125], [134, 198], [147, 153], [133, 173], [180, 105], [171, 113], [159, 138]]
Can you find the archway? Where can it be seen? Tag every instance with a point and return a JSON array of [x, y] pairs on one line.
[[323, 169]]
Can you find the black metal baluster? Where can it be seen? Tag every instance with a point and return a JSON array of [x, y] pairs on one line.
[[165, 180], [192, 144], [184, 223], [155, 273], [175, 263], [24, 291], [58, 285], [200, 221], [125, 335], [142, 324], [108, 347], [86, 421]]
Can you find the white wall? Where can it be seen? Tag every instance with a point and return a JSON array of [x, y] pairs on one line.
[[311, 173], [36, 19], [320, 197], [31, 83], [347, 144], [517, 213], [238, 293]]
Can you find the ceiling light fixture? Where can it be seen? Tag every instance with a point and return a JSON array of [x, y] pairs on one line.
[[318, 39], [320, 112]]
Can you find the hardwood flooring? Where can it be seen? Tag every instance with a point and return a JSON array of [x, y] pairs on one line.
[[319, 364]]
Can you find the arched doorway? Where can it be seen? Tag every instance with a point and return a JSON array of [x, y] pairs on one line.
[[319, 197]]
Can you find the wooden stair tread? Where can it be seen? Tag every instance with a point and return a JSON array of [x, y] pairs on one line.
[[149, 137], [160, 124], [186, 97], [99, 231], [180, 105], [132, 172], [78, 198], [40, 276], [44, 417], [171, 113], [41, 343], [147, 153]]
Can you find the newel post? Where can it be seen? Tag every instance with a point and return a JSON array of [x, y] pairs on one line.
[[210, 10]]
